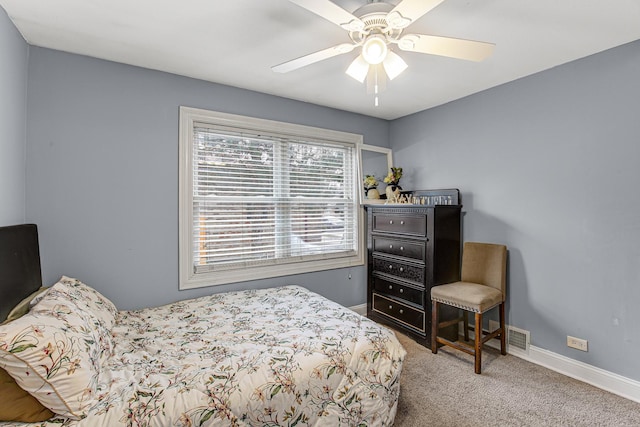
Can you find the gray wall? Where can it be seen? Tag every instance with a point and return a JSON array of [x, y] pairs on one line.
[[102, 174], [549, 165], [14, 53]]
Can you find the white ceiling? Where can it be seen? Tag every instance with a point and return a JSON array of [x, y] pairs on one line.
[[235, 42]]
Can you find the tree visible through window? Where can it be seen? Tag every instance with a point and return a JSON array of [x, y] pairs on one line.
[[267, 198]]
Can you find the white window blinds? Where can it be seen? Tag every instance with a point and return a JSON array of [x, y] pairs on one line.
[[263, 199]]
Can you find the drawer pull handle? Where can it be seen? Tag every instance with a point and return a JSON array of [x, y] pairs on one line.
[[391, 287], [390, 246], [401, 222], [401, 311], [402, 248], [401, 290], [401, 269], [390, 307], [390, 267], [391, 222]]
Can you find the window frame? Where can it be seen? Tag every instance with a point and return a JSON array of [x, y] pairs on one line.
[[189, 279]]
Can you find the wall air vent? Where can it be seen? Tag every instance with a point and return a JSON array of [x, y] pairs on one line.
[[517, 339]]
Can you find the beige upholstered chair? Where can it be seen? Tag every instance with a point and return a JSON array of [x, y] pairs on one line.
[[481, 288]]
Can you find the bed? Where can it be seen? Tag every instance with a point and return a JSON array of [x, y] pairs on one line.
[[270, 357]]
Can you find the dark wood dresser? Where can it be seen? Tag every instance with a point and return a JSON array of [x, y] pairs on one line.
[[411, 248]]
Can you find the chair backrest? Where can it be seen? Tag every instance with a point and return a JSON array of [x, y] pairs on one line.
[[486, 264]]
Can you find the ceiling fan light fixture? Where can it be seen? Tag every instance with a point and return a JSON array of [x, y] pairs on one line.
[[374, 49], [394, 65], [358, 69]]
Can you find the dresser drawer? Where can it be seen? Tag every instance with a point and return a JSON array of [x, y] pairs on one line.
[[412, 224], [414, 250], [401, 312], [406, 271], [404, 292]]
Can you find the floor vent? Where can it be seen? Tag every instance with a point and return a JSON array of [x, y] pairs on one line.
[[517, 339]]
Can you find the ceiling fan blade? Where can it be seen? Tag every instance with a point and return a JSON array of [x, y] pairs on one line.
[[409, 11], [446, 46], [303, 61], [332, 13]]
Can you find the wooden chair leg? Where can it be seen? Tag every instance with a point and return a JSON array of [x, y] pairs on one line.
[[478, 343], [465, 321], [434, 327], [503, 333]]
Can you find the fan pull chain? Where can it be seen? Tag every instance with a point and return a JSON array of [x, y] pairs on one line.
[[376, 89]]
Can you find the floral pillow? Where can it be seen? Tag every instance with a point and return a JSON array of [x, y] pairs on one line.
[[88, 299], [52, 354], [98, 310]]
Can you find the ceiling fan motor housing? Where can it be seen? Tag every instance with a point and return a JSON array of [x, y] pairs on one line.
[[374, 17]]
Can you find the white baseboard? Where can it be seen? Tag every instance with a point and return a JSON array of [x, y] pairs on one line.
[[360, 309], [614, 383], [605, 380]]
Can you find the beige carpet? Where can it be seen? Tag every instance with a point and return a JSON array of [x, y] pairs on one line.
[[442, 390]]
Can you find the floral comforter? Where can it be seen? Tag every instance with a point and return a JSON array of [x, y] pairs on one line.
[[275, 357]]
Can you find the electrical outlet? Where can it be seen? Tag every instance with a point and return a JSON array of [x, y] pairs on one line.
[[577, 343]]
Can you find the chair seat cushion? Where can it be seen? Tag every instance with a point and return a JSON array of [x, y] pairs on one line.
[[468, 296]]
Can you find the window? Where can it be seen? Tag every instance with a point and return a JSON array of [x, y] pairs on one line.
[[262, 199]]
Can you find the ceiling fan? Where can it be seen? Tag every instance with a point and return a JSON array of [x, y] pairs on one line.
[[375, 28]]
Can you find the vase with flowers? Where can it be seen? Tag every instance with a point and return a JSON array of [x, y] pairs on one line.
[[371, 187], [393, 183]]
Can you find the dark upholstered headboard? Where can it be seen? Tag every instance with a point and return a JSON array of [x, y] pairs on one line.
[[20, 273]]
